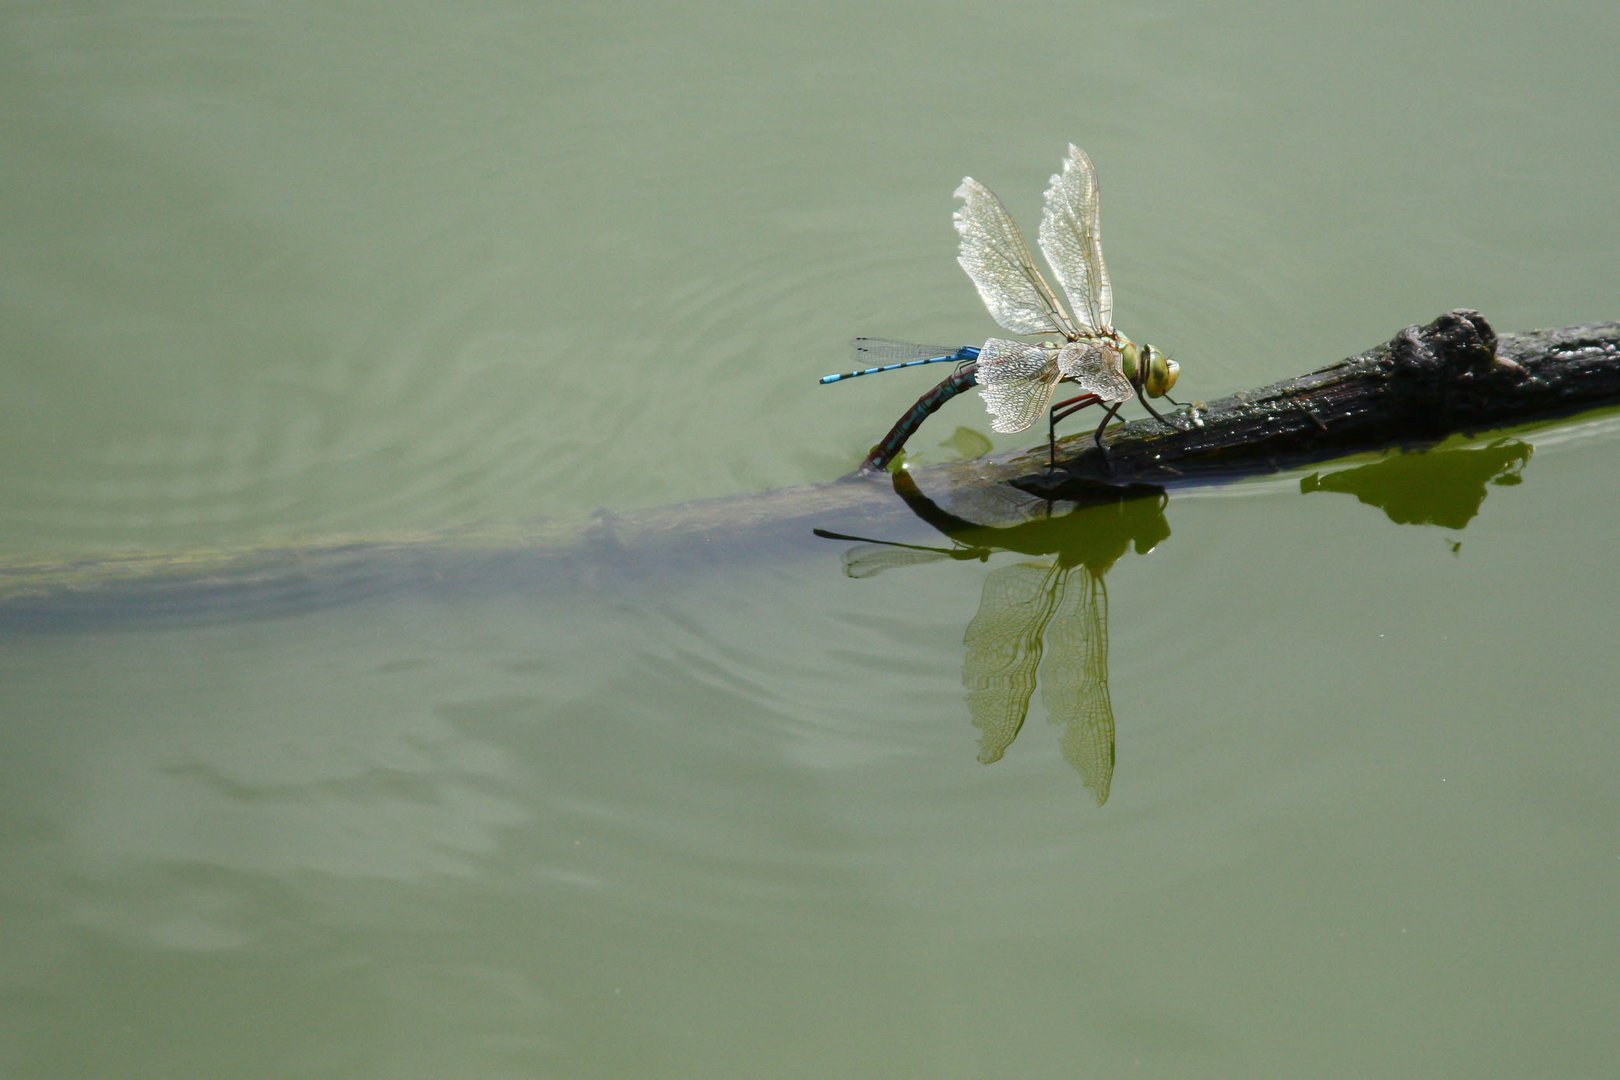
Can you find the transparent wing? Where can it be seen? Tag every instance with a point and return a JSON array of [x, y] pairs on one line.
[[1096, 366], [1016, 380], [888, 351], [995, 256], [866, 560], [1003, 649], [1071, 240], [1074, 680]]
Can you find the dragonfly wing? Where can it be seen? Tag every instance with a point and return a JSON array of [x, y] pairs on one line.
[[1074, 680], [867, 560], [888, 351], [1096, 366], [1016, 380], [995, 256], [1071, 239], [1003, 649]]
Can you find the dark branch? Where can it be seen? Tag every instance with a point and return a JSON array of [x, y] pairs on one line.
[[1454, 375]]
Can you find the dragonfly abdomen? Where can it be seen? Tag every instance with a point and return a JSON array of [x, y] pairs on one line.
[[964, 378]]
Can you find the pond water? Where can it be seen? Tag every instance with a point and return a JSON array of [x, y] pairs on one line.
[[1317, 776]]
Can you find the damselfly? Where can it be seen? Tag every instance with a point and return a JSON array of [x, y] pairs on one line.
[[1019, 379], [901, 354]]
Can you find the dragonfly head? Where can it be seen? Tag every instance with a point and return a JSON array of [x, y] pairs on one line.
[[1156, 371]]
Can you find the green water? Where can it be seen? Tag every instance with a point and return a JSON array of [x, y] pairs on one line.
[[286, 274]]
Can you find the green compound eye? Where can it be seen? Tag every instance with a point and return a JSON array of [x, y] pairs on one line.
[[1161, 373]]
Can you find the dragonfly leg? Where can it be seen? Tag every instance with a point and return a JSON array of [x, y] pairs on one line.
[[1097, 435], [1062, 411], [1155, 412]]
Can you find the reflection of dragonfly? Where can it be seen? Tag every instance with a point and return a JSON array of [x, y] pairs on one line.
[[1025, 608], [1050, 615], [1017, 379], [869, 557]]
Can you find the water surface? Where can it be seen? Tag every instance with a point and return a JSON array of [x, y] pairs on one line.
[[284, 275]]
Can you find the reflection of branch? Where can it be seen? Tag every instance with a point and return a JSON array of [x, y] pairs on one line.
[[1436, 487]]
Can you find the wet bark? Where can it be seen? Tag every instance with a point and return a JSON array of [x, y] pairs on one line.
[[1455, 375]]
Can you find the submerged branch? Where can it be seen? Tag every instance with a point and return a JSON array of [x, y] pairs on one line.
[[1454, 375]]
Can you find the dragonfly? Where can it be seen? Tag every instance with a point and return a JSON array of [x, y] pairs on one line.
[[1019, 379]]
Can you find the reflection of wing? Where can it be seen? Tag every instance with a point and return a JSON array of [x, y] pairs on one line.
[[1097, 368], [1074, 680], [995, 256], [1071, 240], [1003, 648], [865, 560], [1016, 380]]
